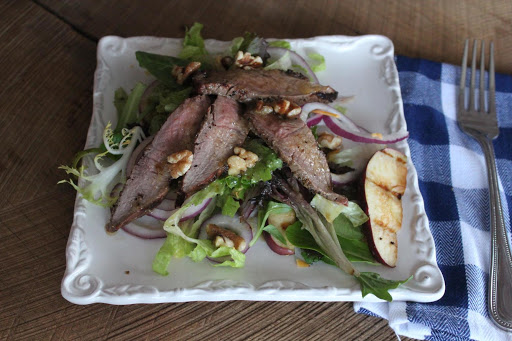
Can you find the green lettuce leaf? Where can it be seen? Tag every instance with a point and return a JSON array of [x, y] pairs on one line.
[[330, 210], [271, 208], [193, 44], [280, 43], [160, 66], [173, 247], [120, 98], [316, 62], [236, 260], [230, 206], [268, 162], [372, 283], [275, 232], [345, 229], [130, 106], [311, 256]]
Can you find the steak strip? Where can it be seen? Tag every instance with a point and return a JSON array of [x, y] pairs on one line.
[[295, 144], [148, 183], [248, 85], [223, 129]]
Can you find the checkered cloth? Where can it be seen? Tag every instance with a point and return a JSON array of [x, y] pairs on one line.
[[453, 182]]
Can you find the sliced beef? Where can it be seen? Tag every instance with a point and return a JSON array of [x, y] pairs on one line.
[[223, 129], [248, 85], [296, 145], [149, 180]]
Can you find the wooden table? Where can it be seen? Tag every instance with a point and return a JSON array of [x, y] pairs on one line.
[[47, 63]]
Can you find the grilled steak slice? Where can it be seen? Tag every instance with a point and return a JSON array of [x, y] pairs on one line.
[[223, 129], [248, 85], [296, 145], [149, 180]]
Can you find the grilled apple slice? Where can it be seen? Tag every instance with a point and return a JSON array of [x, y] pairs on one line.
[[384, 185]]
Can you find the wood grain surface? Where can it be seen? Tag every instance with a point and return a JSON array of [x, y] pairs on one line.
[[47, 63]]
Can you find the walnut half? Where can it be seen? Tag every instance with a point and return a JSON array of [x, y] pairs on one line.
[[225, 237], [181, 73], [180, 163], [329, 141], [242, 160]]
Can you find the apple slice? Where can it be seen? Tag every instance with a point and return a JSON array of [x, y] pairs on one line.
[[384, 185]]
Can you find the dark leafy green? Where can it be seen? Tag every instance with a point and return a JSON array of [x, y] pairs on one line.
[[160, 66], [372, 283]]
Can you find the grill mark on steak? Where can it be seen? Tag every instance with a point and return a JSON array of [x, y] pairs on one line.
[[295, 144], [148, 183], [223, 129], [248, 85]]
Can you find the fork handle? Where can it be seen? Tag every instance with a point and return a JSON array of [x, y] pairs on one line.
[[500, 279]]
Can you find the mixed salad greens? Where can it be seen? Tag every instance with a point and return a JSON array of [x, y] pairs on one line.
[[323, 230]]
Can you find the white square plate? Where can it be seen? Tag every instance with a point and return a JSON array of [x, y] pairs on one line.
[[116, 269]]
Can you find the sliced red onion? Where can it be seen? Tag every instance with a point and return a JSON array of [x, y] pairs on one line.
[[159, 214], [348, 124], [343, 179], [314, 120], [278, 52], [337, 128], [167, 205], [194, 210], [276, 246], [137, 154], [145, 96], [242, 228], [346, 128], [146, 227]]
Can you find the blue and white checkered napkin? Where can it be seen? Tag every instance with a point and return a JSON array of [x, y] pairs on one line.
[[453, 182]]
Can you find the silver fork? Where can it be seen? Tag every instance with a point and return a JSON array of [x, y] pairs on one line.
[[482, 125]]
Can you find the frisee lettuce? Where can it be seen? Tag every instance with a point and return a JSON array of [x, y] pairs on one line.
[[97, 188]]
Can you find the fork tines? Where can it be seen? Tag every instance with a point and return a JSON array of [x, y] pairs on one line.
[[481, 103]]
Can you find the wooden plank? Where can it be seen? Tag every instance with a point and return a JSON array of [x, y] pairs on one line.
[[432, 30]]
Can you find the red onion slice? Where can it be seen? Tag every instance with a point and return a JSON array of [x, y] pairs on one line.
[[167, 205], [194, 210], [146, 227], [278, 52], [159, 214], [276, 246], [347, 123], [337, 128], [343, 179]]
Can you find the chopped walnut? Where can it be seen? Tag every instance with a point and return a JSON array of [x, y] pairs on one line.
[[180, 163], [247, 62], [286, 108], [263, 109], [181, 73], [242, 160], [329, 141], [225, 237]]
